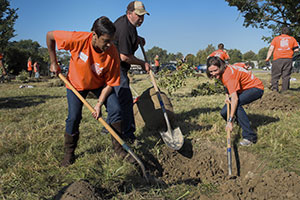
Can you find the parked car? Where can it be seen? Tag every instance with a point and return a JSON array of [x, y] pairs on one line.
[[168, 66], [201, 68]]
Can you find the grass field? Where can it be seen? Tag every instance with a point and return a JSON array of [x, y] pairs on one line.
[[32, 122]]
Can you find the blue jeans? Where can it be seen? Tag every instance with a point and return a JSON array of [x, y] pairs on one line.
[[75, 109], [124, 95], [245, 97]]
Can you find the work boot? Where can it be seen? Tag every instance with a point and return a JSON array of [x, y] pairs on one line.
[[117, 146], [70, 146]]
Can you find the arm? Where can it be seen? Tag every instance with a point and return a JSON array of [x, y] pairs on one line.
[[52, 53], [233, 104], [271, 49], [102, 97], [131, 59]]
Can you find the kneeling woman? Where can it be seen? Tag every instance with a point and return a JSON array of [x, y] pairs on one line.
[[242, 88]]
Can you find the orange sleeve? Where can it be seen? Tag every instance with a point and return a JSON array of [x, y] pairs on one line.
[[63, 39]]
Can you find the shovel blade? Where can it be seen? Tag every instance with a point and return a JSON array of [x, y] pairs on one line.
[[174, 139]]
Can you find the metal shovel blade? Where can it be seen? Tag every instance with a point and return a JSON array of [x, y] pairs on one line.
[[173, 139]]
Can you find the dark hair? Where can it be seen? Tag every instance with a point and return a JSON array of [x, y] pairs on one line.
[[285, 30], [221, 46], [214, 60], [102, 26], [130, 7]]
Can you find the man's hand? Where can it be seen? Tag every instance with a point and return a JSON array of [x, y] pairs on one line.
[[229, 126], [97, 112], [141, 41], [55, 68]]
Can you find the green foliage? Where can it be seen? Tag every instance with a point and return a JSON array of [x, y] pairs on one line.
[[173, 80], [23, 77], [208, 89], [235, 55], [201, 56], [8, 17], [262, 53], [250, 55], [271, 14], [164, 56]]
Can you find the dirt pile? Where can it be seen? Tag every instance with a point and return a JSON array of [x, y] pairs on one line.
[[250, 178], [275, 101]]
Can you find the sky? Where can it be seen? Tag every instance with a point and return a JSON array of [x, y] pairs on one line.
[[174, 25]]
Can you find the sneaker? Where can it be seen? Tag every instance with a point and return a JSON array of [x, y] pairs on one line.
[[246, 142]]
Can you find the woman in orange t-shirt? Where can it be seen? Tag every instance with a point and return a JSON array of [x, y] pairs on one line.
[[94, 66], [242, 88], [29, 67]]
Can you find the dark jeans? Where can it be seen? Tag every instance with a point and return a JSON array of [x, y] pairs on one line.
[[124, 95], [245, 97], [281, 67], [75, 109]]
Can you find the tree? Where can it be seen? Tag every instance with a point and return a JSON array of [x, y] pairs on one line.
[[262, 53], [201, 56], [235, 55], [250, 55], [8, 17], [271, 14]]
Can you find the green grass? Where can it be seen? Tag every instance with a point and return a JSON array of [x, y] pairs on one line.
[[32, 122]]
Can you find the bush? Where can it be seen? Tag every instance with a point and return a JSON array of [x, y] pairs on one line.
[[208, 89]]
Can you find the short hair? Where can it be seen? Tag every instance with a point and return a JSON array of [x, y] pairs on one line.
[[221, 46], [130, 7], [285, 30], [214, 60], [102, 26]]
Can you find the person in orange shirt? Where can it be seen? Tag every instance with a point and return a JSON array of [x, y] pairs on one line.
[[242, 88], [29, 67], [282, 47], [1, 65], [243, 65], [36, 69], [156, 64], [221, 53], [94, 67]]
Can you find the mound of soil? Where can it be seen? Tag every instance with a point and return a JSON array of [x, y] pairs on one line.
[[80, 190], [250, 180], [276, 101]]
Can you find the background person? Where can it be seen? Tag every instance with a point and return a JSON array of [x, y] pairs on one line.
[[95, 67], [156, 64], [2, 65], [221, 53], [127, 41], [282, 47], [29, 67], [242, 88], [36, 69]]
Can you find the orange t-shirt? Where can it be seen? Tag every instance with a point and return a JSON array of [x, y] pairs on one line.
[[283, 46], [238, 79], [221, 54], [88, 69], [240, 64], [29, 65], [156, 62], [36, 67]]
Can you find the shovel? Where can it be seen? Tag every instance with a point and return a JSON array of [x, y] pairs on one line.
[[229, 158], [111, 131], [173, 138]]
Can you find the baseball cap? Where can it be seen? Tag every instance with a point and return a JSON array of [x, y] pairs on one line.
[[138, 7]]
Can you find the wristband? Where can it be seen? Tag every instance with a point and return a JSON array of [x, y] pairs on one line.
[[230, 119]]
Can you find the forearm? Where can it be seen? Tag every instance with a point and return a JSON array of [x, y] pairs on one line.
[[233, 103], [51, 47], [131, 59], [270, 51], [104, 94]]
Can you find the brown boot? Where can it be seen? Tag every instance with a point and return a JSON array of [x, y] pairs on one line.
[[70, 146], [116, 126]]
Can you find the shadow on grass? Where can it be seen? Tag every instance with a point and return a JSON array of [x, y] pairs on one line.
[[24, 101], [261, 120]]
